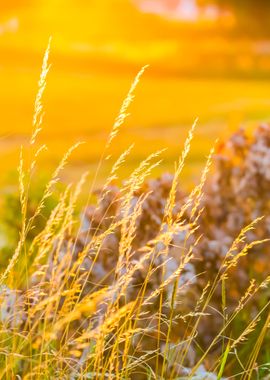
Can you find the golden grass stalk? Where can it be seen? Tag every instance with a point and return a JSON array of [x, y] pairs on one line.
[[54, 180], [128, 234], [37, 121], [125, 105], [168, 212], [255, 352], [38, 109], [113, 174]]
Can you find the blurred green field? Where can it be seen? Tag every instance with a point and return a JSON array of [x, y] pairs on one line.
[[82, 107]]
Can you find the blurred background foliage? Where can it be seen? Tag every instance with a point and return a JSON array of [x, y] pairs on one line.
[[10, 225], [207, 58]]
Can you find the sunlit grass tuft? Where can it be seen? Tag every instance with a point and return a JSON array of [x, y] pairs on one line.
[[57, 322]]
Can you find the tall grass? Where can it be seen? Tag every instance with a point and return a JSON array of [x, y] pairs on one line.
[[56, 323]]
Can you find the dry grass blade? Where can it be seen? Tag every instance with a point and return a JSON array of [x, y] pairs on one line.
[[171, 200], [38, 110], [123, 111]]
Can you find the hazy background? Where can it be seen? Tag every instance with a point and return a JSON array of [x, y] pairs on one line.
[[209, 59]]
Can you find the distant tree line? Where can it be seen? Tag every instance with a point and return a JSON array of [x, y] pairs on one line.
[[253, 16]]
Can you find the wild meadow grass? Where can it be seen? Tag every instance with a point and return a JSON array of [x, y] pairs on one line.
[[72, 307]]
